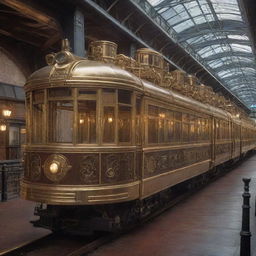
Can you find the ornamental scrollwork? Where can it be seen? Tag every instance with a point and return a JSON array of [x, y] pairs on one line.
[[35, 167], [89, 169], [112, 166]]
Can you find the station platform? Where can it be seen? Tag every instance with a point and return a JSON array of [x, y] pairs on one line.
[[15, 226], [206, 224]]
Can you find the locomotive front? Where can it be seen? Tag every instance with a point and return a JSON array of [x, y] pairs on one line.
[[82, 127]]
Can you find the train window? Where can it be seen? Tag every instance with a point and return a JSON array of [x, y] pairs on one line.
[[177, 116], [152, 130], [38, 96], [185, 127], [109, 125], [86, 121], [124, 96], [192, 130], [60, 92], [37, 116], [161, 125], [138, 121], [61, 121], [86, 92], [108, 97], [152, 110], [124, 124], [177, 126], [150, 59], [144, 58], [170, 127], [177, 131], [156, 61], [153, 124], [185, 132], [37, 122]]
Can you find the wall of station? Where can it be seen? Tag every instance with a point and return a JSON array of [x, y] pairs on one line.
[[10, 73]]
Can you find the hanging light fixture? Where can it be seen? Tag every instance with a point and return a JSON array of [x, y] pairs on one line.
[[7, 112], [2, 127]]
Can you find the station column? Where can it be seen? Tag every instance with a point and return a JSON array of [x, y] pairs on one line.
[[73, 27]]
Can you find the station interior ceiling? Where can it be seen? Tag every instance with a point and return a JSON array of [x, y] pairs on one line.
[[211, 39]]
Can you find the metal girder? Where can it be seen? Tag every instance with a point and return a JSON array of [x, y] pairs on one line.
[[233, 66], [241, 59], [221, 41], [152, 17], [124, 28], [242, 88], [170, 3], [183, 36], [226, 25], [228, 54]]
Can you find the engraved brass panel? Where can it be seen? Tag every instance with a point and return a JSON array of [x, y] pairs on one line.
[[117, 167], [162, 161]]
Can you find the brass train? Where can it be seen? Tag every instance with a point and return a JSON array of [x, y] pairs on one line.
[[108, 137]]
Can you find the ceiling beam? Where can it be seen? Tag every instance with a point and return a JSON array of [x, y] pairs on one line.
[[32, 13]]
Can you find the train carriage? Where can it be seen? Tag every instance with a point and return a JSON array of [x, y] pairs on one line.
[[100, 136]]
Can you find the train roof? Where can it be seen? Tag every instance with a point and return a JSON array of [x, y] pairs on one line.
[[180, 100], [83, 72]]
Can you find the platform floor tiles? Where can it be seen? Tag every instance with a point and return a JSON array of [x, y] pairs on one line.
[[206, 224]]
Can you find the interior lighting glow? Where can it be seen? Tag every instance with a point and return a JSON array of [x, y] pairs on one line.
[[54, 168], [7, 112], [2, 127], [110, 119]]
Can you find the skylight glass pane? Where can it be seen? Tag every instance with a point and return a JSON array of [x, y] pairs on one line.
[[170, 13], [199, 19], [155, 2], [190, 4], [195, 11], [238, 37], [229, 16], [163, 9], [184, 25], [210, 28], [205, 49], [240, 47], [216, 64], [179, 8]]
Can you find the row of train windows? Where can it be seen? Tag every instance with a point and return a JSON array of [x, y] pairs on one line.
[[116, 114], [248, 133], [222, 130], [166, 126], [163, 126]]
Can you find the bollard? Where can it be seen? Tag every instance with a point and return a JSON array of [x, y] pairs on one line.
[[245, 244]]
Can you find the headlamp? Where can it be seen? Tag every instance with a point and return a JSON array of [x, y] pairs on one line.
[[54, 168]]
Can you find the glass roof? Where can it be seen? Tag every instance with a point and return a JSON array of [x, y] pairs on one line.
[[217, 33]]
